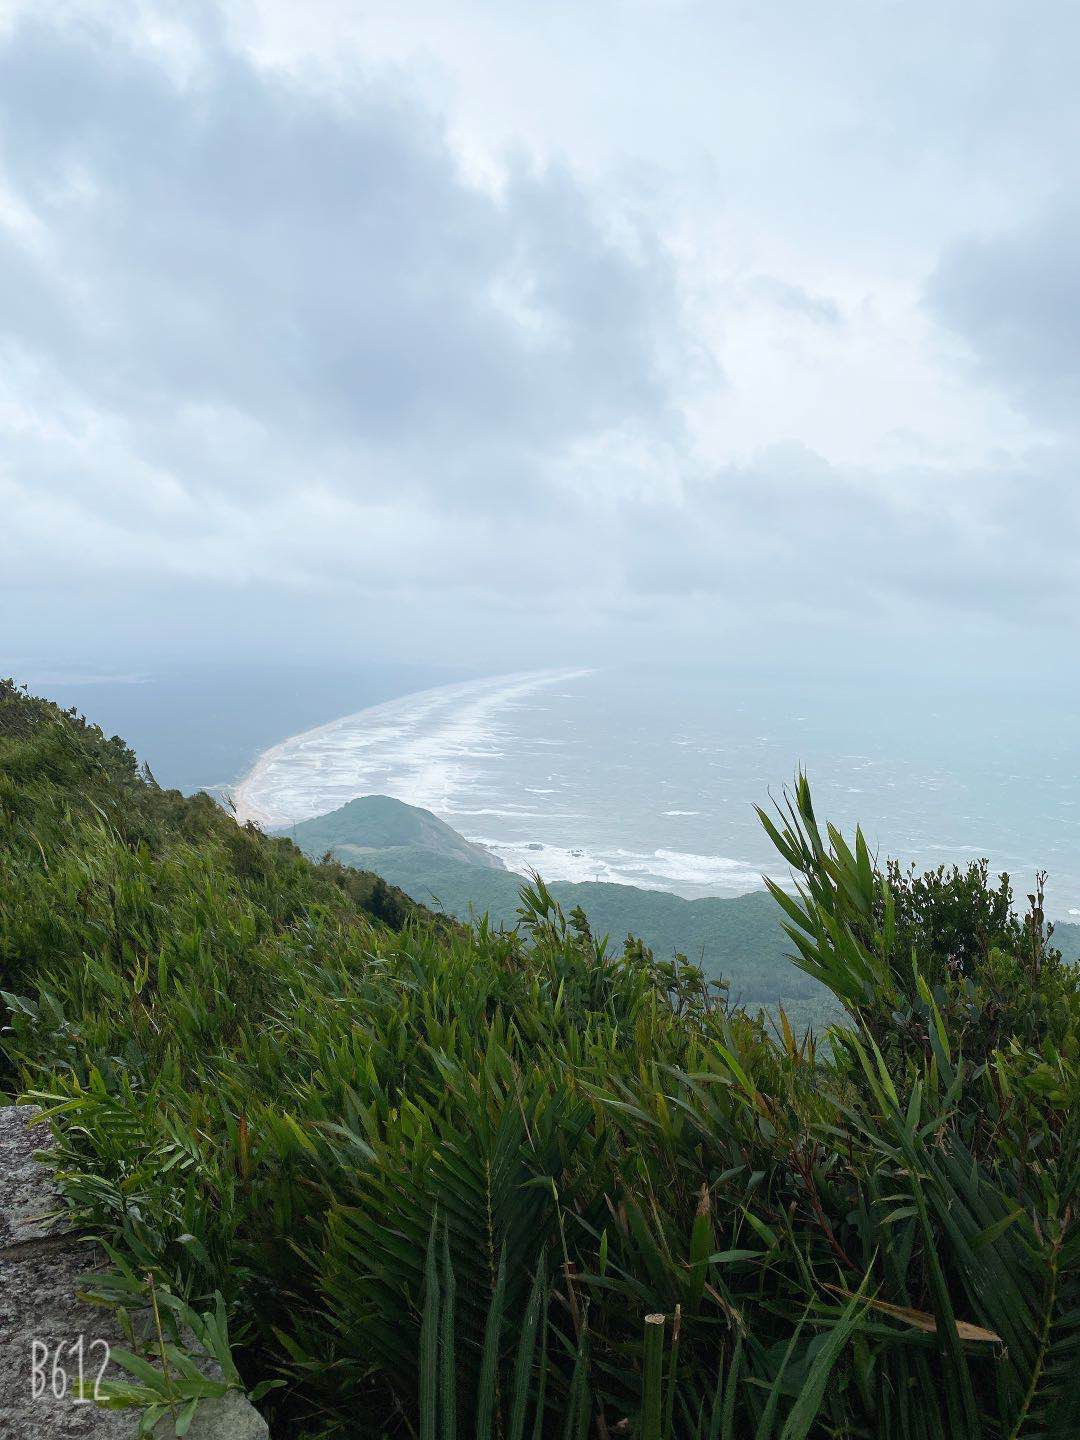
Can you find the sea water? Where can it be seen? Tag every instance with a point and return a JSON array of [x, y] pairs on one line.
[[647, 776]]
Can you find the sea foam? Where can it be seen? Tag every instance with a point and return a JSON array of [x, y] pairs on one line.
[[440, 749], [426, 749]]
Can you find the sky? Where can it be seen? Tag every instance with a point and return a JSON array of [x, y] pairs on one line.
[[508, 334]]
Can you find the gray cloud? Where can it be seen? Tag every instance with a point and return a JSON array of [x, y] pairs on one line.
[[1014, 297], [311, 276], [271, 363], [820, 309]]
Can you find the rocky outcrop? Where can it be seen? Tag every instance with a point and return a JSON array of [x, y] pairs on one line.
[[47, 1333]]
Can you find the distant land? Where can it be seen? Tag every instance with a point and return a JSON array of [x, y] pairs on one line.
[[390, 829], [739, 938]]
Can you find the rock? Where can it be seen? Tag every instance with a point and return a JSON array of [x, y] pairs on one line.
[[46, 1332], [231, 1418]]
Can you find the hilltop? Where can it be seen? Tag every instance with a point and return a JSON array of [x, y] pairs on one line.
[[377, 824]]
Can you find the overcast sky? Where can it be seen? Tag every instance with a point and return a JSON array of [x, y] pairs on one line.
[[512, 333]]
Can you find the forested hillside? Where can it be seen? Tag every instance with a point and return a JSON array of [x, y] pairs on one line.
[[431, 1181], [738, 939]]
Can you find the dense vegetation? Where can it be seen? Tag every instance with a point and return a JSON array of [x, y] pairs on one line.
[[738, 938], [452, 1182]]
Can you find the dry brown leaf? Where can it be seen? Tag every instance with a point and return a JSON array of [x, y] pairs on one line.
[[922, 1320]]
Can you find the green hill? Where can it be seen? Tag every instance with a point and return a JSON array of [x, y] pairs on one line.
[[739, 939], [376, 823], [1067, 939]]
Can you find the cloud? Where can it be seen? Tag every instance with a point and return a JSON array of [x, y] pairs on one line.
[[819, 309], [264, 285], [1014, 298], [273, 360]]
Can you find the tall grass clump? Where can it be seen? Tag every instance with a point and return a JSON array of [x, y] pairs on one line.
[[455, 1182]]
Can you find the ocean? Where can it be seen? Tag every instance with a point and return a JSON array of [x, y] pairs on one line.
[[201, 725], [649, 776]]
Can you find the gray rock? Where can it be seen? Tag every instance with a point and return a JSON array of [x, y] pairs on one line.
[[230, 1418], [42, 1266]]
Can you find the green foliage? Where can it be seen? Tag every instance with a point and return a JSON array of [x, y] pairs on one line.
[[899, 948], [738, 938], [98, 860], [181, 1359], [439, 1177]]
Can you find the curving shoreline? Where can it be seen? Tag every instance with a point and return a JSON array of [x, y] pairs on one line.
[[273, 793]]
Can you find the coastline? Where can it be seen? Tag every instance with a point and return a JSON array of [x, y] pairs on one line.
[[584, 785], [487, 694]]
